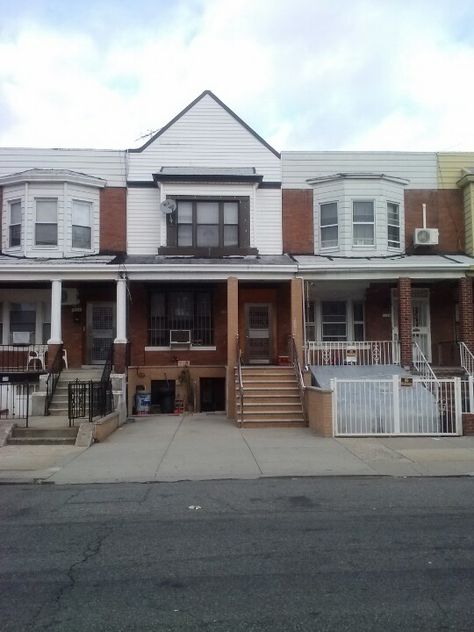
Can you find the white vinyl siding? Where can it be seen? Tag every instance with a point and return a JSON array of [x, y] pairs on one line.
[[265, 220], [208, 136], [144, 221], [101, 163], [420, 168]]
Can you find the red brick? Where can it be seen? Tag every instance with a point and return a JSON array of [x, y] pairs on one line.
[[297, 217], [113, 219]]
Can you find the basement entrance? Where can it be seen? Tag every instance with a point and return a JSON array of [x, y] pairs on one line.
[[212, 394]]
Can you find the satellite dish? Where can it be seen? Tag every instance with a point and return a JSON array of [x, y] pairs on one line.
[[168, 206]]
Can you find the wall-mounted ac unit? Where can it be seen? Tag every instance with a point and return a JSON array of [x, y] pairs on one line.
[[426, 237], [180, 337], [21, 337], [70, 296]]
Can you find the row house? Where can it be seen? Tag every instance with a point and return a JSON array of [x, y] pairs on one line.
[[211, 265]]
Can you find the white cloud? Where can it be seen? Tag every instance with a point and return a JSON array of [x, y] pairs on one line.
[[305, 74]]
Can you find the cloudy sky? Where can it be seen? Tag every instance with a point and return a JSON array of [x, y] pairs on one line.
[[305, 74]]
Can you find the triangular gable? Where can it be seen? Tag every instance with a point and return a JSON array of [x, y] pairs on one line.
[[206, 93]]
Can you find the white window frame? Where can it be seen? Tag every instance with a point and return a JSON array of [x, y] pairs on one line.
[[350, 321], [46, 199], [391, 243], [11, 225], [89, 225], [372, 223], [321, 227]]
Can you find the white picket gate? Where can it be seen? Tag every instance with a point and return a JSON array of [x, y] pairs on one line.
[[397, 406]]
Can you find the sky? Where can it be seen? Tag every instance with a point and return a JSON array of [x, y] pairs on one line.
[[305, 74]]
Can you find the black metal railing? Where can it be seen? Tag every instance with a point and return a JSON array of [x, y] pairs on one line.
[[15, 401], [109, 362], [23, 358], [89, 400], [53, 377]]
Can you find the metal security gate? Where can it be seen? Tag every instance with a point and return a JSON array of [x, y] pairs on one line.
[[258, 333], [397, 406], [15, 401]]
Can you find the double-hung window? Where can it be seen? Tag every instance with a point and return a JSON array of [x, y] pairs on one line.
[[207, 224], [15, 224], [81, 224], [393, 225], [46, 227], [328, 225], [363, 223], [342, 320]]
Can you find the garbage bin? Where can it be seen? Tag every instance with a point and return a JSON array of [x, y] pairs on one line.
[[143, 403]]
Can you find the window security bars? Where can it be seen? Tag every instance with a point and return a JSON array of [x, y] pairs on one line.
[[186, 310]]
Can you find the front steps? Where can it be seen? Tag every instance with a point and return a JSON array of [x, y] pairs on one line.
[[42, 436], [271, 398], [59, 405], [443, 372]]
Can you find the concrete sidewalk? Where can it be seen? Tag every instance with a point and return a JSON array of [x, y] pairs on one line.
[[198, 447]]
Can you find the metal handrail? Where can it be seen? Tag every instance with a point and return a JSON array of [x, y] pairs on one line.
[[239, 375], [357, 352], [107, 370], [467, 358], [421, 364], [295, 361], [53, 377]]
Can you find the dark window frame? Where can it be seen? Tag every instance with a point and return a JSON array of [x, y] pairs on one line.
[[14, 229], [243, 247]]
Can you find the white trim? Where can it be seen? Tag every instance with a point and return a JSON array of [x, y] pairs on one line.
[[188, 348]]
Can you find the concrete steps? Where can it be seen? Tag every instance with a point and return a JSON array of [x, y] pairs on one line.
[[271, 398], [59, 405], [43, 436]]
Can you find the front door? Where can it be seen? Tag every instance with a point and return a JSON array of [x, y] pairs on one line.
[[258, 333], [100, 331], [421, 326]]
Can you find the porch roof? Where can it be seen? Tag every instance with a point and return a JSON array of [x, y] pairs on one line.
[[414, 266], [96, 267]]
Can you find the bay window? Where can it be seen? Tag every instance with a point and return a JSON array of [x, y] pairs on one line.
[[393, 225], [363, 222], [81, 224], [46, 227], [14, 229], [328, 225]]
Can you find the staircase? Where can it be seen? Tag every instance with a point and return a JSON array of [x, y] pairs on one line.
[[59, 404], [43, 436], [271, 398], [443, 372]]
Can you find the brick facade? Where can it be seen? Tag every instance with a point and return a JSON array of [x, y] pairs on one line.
[[113, 219], [444, 210], [405, 321], [466, 320], [297, 216], [468, 424]]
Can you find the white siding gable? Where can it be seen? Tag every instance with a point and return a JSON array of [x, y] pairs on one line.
[[206, 135]]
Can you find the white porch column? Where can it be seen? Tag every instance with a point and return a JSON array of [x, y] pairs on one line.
[[121, 312], [56, 300]]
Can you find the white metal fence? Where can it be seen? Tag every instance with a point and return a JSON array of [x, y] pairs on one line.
[[363, 353], [397, 406]]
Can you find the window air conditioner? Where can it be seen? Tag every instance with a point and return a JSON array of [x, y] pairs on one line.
[[70, 296], [21, 337], [180, 337], [426, 237]]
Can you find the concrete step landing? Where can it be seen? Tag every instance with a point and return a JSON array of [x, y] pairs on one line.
[[43, 436]]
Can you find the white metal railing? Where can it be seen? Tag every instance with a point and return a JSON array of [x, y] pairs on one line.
[[467, 359], [421, 364], [357, 352], [467, 394], [397, 406]]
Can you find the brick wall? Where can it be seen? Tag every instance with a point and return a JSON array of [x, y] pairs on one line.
[[443, 296], [113, 223], [297, 216], [378, 311], [468, 423], [318, 404], [466, 320], [1, 215], [444, 210], [405, 321]]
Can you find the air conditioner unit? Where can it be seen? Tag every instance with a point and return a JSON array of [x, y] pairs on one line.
[[70, 296], [426, 237], [21, 337], [180, 337]]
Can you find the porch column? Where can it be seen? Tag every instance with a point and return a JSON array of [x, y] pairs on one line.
[[120, 342], [466, 320], [232, 333], [56, 340], [297, 316], [405, 322]]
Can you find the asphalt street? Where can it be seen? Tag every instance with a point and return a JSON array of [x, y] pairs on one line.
[[277, 555]]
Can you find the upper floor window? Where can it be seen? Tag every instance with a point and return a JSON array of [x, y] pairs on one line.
[[15, 224], [208, 224], [81, 224], [363, 223], [46, 226], [393, 225], [328, 225]]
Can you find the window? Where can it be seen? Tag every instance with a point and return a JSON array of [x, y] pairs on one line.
[[81, 224], [393, 225], [310, 320], [208, 224], [186, 309], [342, 320], [363, 223], [46, 229], [15, 224], [329, 228], [22, 323], [333, 320]]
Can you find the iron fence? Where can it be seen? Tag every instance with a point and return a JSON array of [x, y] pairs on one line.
[[89, 400], [15, 401]]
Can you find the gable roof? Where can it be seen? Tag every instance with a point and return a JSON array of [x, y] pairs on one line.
[[191, 105]]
